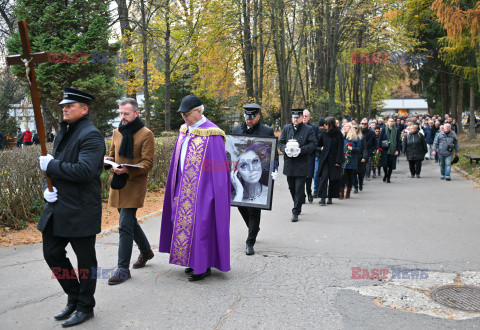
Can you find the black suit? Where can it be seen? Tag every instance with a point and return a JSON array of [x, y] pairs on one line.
[[75, 217], [330, 160], [251, 215], [297, 168]]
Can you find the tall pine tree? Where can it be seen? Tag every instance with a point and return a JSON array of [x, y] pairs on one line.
[[70, 26]]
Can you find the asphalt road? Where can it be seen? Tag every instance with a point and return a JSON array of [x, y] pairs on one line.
[[301, 274]]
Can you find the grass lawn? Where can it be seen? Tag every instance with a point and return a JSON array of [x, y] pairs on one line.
[[469, 147]]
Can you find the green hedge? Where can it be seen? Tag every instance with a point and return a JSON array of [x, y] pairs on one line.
[[21, 181]]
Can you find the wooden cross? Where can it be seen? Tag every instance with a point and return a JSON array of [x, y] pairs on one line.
[[28, 58]]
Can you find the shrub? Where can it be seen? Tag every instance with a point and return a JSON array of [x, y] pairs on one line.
[[21, 181], [21, 186]]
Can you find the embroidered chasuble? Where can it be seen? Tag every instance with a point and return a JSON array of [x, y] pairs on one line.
[[195, 227]]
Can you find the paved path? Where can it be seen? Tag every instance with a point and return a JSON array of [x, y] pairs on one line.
[[301, 274]]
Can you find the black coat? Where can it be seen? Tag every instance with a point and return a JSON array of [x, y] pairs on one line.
[[312, 156], [257, 130], [362, 166], [75, 171], [370, 140], [297, 166], [414, 146], [331, 154], [398, 147]]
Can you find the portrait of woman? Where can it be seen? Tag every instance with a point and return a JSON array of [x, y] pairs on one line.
[[250, 175], [252, 161]]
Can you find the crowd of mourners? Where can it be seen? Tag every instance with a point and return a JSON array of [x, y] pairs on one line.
[[349, 151]]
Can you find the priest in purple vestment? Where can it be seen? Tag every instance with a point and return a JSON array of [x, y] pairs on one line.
[[196, 210]]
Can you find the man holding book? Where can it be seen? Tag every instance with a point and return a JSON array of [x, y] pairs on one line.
[[132, 143]]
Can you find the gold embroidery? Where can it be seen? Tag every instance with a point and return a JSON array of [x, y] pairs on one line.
[[183, 231], [209, 131]]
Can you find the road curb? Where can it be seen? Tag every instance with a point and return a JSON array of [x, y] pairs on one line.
[[468, 176]]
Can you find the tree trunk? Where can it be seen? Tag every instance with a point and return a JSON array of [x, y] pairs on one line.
[[453, 90], [444, 90], [458, 118], [126, 32], [146, 92], [247, 50], [472, 134], [168, 60]]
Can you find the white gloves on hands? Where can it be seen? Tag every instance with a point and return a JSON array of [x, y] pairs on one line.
[[274, 175], [296, 153], [50, 196], [287, 152], [44, 160]]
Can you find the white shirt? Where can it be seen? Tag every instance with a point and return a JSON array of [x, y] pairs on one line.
[[183, 153]]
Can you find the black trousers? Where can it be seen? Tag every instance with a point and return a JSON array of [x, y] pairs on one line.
[[358, 179], [415, 166], [327, 187], [251, 216], [347, 178], [130, 231], [308, 186], [80, 289], [389, 169], [296, 185]]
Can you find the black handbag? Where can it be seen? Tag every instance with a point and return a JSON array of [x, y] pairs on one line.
[[385, 144]]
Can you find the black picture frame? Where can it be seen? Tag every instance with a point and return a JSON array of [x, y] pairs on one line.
[[254, 148]]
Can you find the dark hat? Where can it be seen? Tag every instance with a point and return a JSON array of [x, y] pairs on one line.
[[321, 121], [297, 113], [73, 95], [189, 102], [251, 110]]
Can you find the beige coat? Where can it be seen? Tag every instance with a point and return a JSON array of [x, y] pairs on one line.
[[133, 194]]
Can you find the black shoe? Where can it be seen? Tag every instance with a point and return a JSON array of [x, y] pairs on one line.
[[360, 187], [310, 198], [66, 312], [329, 201], [388, 180], [198, 277], [315, 194], [249, 250], [384, 178], [355, 190], [294, 217], [77, 318], [447, 178], [418, 176], [412, 176], [188, 270], [119, 276], [322, 201]]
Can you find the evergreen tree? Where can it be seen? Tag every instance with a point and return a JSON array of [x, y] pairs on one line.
[[70, 26]]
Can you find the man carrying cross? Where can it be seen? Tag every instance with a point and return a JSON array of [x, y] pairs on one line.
[[73, 212]]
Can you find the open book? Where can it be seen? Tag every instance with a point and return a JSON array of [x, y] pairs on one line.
[[109, 162]]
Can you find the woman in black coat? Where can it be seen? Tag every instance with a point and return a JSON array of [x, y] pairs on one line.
[[414, 146], [330, 149], [389, 144], [362, 158]]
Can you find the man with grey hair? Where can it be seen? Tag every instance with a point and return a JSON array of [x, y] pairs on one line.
[[429, 131], [446, 143], [132, 144]]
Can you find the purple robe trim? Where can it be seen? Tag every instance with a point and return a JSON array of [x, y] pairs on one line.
[[196, 211]]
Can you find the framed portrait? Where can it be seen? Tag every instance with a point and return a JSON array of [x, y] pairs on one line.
[[251, 160]]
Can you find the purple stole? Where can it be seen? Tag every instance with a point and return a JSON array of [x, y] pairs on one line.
[[184, 195]]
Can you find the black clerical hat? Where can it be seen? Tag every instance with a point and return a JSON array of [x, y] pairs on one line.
[[73, 95], [251, 110], [297, 112], [189, 102]]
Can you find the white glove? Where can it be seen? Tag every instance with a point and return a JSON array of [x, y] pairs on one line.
[[274, 175], [44, 160], [296, 153], [50, 196], [287, 152]]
